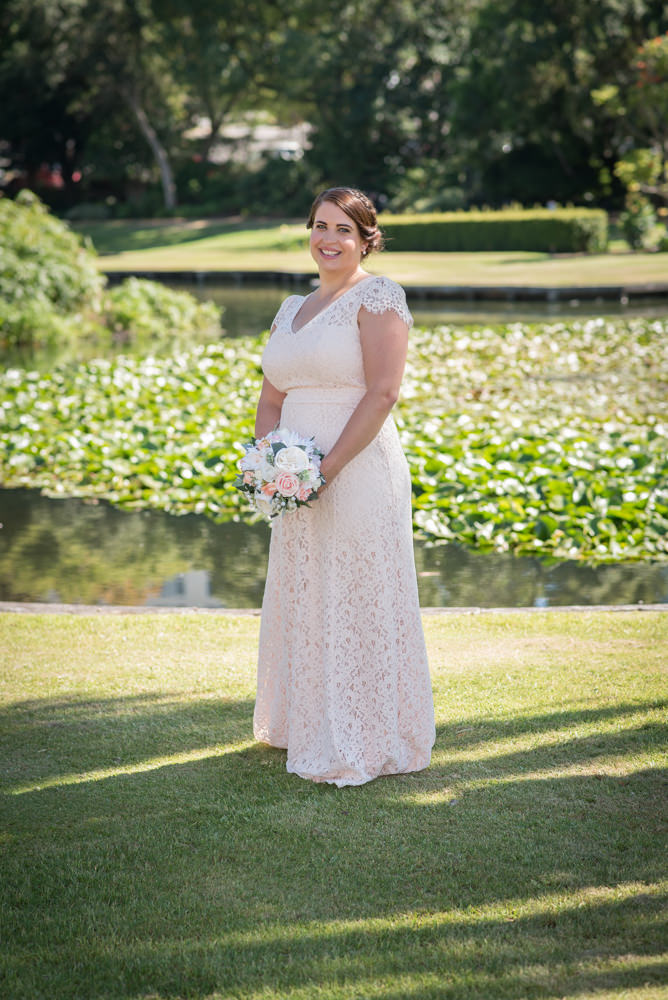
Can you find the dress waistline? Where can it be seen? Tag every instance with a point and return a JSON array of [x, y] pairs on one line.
[[348, 394]]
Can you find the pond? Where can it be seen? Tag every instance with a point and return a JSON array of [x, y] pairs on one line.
[[75, 551], [249, 308]]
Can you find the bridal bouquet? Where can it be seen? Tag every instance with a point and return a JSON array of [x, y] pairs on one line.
[[280, 472]]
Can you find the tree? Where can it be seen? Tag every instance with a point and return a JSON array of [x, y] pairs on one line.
[[66, 67], [124, 54], [224, 55], [371, 75], [525, 97], [638, 105]]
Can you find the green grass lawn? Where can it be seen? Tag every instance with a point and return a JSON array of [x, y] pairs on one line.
[[209, 245], [151, 849]]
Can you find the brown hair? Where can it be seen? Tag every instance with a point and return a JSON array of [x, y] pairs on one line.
[[357, 207]]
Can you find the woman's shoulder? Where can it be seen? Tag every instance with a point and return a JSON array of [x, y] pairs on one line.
[[286, 307], [380, 294], [290, 300]]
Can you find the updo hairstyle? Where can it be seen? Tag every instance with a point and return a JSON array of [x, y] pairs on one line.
[[357, 207]]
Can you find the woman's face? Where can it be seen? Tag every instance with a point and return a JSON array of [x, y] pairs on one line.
[[336, 244]]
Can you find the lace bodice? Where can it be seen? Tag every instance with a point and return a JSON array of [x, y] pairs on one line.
[[326, 351]]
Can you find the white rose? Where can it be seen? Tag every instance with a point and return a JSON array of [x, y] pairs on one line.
[[292, 459], [263, 504], [267, 471]]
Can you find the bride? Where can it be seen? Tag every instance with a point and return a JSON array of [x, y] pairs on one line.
[[343, 678]]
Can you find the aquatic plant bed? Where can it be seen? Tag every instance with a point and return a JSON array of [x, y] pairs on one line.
[[547, 439], [150, 848]]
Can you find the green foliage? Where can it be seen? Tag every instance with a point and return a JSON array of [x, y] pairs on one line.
[[641, 169], [638, 221], [647, 98], [149, 308], [643, 173], [565, 230], [533, 439], [52, 291], [422, 189], [42, 261]]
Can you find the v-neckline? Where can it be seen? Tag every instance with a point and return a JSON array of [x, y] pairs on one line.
[[328, 306]]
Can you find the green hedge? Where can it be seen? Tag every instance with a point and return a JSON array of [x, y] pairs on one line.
[[562, 230]]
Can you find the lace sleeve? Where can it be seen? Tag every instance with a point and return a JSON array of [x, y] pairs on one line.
[[383, 294], [283, 310]]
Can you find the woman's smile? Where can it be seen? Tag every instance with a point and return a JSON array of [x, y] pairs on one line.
[[332, 224]]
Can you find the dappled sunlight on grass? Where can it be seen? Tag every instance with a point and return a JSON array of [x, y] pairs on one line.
[[156, 763], [150, 848], [509, 909]]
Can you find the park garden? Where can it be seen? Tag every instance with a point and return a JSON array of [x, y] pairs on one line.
[[150, 849]]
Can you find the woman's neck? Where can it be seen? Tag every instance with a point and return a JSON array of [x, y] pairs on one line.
[[331, 284]]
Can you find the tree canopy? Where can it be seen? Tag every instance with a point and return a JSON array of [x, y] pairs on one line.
[[424, 103]]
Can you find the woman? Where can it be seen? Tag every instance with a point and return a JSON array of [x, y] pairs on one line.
[[343, 678]]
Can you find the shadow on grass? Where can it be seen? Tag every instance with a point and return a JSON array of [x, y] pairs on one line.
[[227, 874], [41, 739]]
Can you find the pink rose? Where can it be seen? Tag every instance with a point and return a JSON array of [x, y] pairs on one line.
[[269, 489], [287, 484], [248, 477], [304, 493]]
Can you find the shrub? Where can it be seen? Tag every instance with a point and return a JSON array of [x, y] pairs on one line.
[[51, 289], [138, 307], [42, 260], [638, 221], [562, 230]]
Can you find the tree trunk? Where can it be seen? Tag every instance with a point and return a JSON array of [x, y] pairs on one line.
[[159, 151]]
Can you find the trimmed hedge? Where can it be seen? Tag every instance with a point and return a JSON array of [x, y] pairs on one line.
[[561, 230]]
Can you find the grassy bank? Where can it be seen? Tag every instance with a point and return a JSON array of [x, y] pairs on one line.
[[151, 849], [242, 246]]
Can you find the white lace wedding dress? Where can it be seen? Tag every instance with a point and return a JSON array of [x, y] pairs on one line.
[[343, 678]]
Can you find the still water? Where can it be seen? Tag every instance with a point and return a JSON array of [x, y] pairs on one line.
[[248, 309], [76, 551]]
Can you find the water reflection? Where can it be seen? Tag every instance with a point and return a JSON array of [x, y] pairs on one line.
[[248, 309], [76, 551], [191, 589]]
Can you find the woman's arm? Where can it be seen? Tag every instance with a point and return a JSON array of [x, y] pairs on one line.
[[384, 340], [269, 408]]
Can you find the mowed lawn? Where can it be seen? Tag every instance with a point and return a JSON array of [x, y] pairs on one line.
[[151, 849], [210, 245]]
